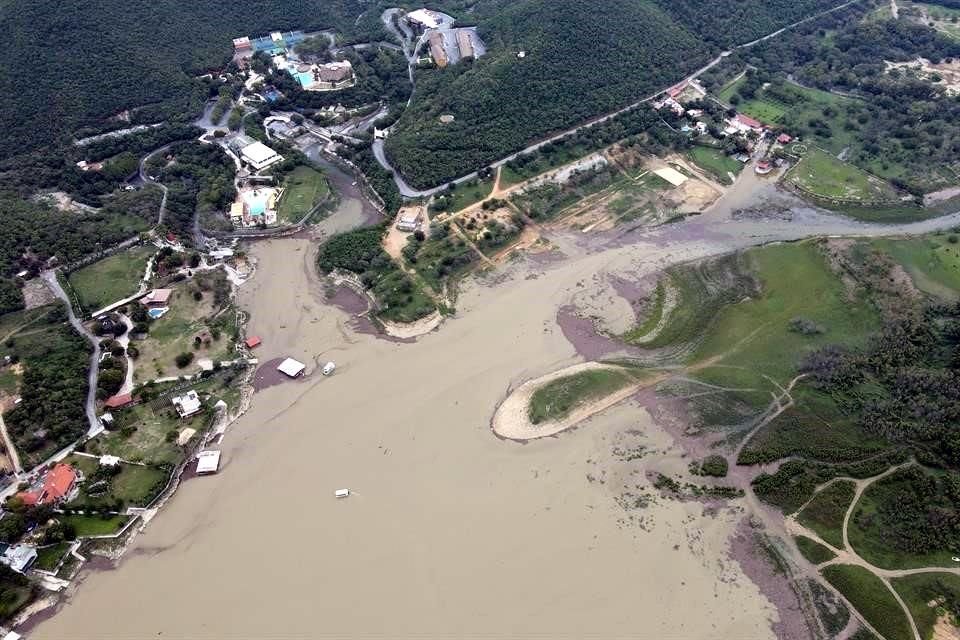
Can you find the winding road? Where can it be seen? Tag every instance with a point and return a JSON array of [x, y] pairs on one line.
[[91, 404], [408, 191]]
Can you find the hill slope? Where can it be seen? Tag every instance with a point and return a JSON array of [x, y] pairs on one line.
[[70, 64], [581, 61]]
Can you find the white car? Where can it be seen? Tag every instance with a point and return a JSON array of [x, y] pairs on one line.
[[328, 368]]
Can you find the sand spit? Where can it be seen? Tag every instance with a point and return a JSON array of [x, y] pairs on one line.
[[512, 418], [410, 330]]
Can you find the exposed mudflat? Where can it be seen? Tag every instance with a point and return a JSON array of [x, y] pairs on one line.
[[449, 531]]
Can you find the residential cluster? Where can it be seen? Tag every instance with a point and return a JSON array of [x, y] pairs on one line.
[[312, 76], [447, 45]]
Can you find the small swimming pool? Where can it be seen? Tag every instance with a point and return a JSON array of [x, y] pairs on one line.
[[305, 78], [157, 312], [257, 202]]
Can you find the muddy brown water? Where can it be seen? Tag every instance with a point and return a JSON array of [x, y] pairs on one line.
[[449, 532]]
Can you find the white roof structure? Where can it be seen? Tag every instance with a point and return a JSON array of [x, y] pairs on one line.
[[291, 367], [109, 461], [260, 156], [187, 404], [208, 462], [425, 17], [671, 175], [19, 557]]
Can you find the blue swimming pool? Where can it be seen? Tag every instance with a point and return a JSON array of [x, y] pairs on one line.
[[156, 313], [305, 79], [257, 202]]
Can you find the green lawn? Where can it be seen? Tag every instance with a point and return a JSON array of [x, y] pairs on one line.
[[49, 557], [467, 194], [921, 589], [95, 525], [872, 599], [825, 512], [753, 335], [557, 399], [136, 485], [824, 176], [933, 262], [716, 163], [303, 187], [112, 278], [813, 551]]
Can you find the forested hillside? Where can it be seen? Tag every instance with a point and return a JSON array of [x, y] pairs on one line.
[[70, 64], [734, 22], [581, 60]]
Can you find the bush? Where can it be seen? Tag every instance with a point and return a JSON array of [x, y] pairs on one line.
[[715, 465], [183, 359]]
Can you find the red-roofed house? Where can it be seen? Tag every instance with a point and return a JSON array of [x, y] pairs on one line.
[[57, 485], [117, 401], [747, 121], [784, 138], [252, 342]]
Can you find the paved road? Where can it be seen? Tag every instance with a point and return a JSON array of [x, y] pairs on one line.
[[147, 180], [91, 407], [407, 191]]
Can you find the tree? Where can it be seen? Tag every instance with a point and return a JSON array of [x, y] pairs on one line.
[[183, 360]]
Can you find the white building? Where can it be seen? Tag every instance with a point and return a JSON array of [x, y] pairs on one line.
[[187, 404], [19, 557], [424, 18], [208, 462], [260, 156], [292, 368]]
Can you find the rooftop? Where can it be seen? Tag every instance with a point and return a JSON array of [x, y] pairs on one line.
[[187, 404], [258, 153], [208, 462], [291, 367]]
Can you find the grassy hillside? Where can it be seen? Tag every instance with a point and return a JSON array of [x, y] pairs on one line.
[[579, 62]]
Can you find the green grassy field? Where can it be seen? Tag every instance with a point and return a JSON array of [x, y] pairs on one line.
[[304, 188], [48, 557], [825, 512], [752, 338], [95, 525], [557, 399], [110, 279], [716, 163], [824, 176], [467, 194], [872, 599], [921, 589], [933, 262], [813, 551], [174, 333]]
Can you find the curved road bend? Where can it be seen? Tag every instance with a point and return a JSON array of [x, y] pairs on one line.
[[409, 192], [91, 408]]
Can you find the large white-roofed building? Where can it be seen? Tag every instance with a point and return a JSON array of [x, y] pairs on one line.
[[259, 156]]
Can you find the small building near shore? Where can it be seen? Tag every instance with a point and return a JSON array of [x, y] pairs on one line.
[[208, 462], [252, 342], [19, 557], [292, 368]]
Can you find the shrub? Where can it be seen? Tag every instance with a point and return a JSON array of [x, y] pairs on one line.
[[183, 359]]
